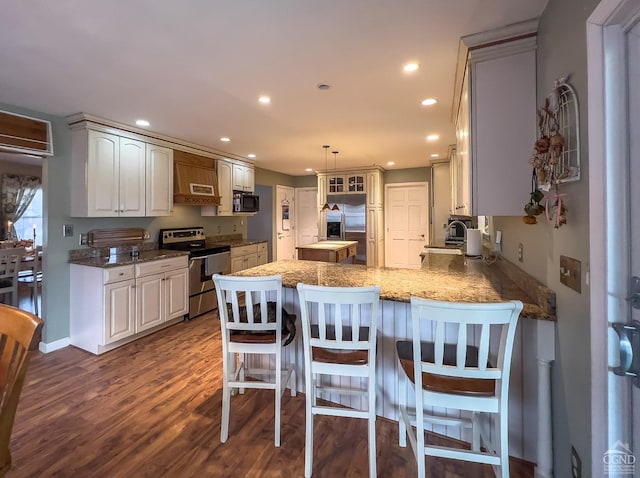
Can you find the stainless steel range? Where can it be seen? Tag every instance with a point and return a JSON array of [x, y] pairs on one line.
[[204, 261]]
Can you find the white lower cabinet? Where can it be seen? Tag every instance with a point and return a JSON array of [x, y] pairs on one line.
[[112, 306], [245, 257]]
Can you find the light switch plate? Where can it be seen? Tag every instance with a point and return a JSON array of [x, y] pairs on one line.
[[67, 230], [570, 273]]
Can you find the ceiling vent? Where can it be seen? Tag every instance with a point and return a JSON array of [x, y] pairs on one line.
[[25, 135]]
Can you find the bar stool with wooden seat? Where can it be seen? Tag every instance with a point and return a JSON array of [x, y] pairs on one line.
[[250, 310], [339, 327], [469, 374], [10, 263]]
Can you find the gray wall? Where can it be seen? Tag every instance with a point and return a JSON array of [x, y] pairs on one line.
[[410, 175], [562, 51]]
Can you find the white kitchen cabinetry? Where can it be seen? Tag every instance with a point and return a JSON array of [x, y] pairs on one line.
[[113, 306], [232, 176], [119, 304], [243, 177], [496, 121], [263, 257], [368, 181], [245, 257], [335, 184], [108, 175], [118, 176], [161, 292], [159, 181]]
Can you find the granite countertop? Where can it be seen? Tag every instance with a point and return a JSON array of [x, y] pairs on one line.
[[328, 245], [441, 277], [126, 259]]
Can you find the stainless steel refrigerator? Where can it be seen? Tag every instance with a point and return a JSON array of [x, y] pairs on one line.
[[350, 222]]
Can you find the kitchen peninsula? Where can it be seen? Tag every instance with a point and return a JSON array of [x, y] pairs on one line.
[[452, 278]]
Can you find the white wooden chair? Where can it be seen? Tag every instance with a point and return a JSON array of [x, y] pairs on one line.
[[10, 263], [337, 343], [469, 374], [33, 277], [246, 330]]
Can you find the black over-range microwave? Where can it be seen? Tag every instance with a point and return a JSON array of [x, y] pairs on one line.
[[243, 202]]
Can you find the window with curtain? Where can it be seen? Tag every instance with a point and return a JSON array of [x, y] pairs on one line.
[[17, 194], [31, 220]]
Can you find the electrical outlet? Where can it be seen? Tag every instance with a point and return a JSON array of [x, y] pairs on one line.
[[83, 239], [576, 464], [520, 252], [67, 230]]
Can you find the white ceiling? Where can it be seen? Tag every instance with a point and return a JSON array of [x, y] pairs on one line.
[[195, 69]]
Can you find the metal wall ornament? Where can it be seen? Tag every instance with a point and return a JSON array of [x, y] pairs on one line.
[[556, 155]]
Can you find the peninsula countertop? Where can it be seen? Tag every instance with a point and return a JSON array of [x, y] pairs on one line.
[[441, 277]]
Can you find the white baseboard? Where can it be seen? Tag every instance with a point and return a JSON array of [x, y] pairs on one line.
[[56, 345]]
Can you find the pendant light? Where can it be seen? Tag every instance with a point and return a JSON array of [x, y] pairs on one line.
[[335, 157], [326, 206]]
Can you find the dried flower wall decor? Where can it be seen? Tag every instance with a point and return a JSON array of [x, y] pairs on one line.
[[556, 153]]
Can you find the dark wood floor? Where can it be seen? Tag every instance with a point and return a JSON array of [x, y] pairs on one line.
[[152, 409]]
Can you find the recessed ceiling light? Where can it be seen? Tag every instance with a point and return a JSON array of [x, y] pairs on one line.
[[390, 163], [433, 137], [410, 67], [251, 155], [265, 100], [323, 86], [435, 155], [225, 139], [429, 102], [142, 122], [308, 170]]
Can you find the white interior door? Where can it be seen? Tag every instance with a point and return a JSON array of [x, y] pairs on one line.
[[406, 218], [613, 48], [285, 222], [306, 215]]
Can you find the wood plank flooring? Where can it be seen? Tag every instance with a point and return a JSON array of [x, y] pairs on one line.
[[152, 409]]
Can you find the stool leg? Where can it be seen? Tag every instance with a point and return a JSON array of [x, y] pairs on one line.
[[372, 428]]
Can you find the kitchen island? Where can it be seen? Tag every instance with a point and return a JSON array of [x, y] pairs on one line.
[[452, 278], [328, 251]]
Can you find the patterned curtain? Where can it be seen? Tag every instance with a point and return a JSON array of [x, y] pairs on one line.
[[17, 193]]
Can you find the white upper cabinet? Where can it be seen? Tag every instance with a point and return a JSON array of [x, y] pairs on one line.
[[225, 174], [232, 177], [159, 180], [108, 175], [119, 176], [496, 121], [243, 177]]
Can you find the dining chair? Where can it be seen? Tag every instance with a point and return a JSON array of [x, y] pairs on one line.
[[10, 263], [20, 333], [459, 359], [339, 329], [250, 310], [33, 277]]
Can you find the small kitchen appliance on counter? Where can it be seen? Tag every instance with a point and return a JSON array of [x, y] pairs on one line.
[[204, 261]]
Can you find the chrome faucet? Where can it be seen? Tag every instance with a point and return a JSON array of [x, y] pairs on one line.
[[464, 227]]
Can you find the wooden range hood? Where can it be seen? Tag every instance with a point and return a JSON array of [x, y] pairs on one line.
[[194, 180]]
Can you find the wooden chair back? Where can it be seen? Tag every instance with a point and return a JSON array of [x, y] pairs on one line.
[[20, 333], [10, 263]]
